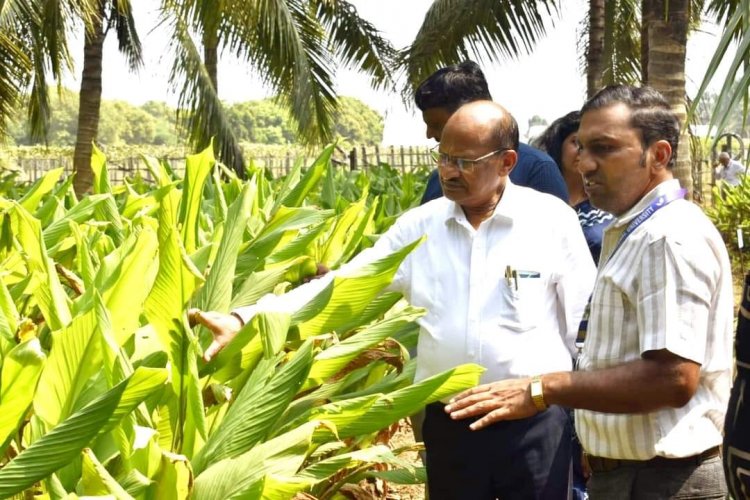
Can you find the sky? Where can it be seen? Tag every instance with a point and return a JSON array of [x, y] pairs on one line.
[[548, 82]]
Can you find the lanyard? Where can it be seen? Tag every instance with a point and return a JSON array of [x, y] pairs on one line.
[[659, 203]]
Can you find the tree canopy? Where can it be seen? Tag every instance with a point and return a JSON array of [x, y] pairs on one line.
[[153, 123]]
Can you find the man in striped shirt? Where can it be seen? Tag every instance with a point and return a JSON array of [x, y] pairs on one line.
[[654, 373]]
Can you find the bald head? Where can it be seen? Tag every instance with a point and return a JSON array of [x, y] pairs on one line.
[[724, 158], [484, 122]]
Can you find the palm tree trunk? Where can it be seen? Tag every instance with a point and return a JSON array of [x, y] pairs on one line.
[[595, 49], [228, 151], [210, 56], [89, 103], [666, 22]]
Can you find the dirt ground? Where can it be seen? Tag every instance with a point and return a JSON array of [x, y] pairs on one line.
[[404, 437]]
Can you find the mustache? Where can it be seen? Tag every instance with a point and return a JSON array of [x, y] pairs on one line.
[[451, 182]]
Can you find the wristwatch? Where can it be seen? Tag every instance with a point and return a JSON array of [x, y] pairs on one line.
[[537, 393]]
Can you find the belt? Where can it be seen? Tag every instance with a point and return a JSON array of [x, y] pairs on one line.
[[603, 464]]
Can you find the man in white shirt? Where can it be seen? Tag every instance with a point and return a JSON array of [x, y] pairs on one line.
[[654, 373], [504, 275], [731, 171]]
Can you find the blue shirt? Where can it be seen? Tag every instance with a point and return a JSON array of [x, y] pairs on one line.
[[534, 169], [593, 221]]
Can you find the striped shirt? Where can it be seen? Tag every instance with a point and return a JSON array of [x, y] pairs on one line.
[[668, 286]]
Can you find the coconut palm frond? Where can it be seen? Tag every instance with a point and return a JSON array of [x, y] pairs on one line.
[[200, 111], [454, 29], [13, 78], [356, 41], [286, 45], [736, 87], [622, 42], [128, 41]]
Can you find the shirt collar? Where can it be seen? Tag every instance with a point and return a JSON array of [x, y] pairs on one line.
[[663, 188], [503, 210]]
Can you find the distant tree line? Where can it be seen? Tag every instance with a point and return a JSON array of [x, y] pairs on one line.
[[154, 123]]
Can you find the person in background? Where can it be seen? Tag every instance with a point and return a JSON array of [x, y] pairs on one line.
[[504, 275], [653, 377], [559, 140], [449, 88], [731, 171]]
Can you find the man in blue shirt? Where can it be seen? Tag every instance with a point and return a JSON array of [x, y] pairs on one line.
[[449, 88]]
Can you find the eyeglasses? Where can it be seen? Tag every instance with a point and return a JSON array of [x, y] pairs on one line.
[[444, 160]]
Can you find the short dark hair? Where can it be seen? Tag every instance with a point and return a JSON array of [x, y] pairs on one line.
[[554, 136], [650, 113], [453, 86]]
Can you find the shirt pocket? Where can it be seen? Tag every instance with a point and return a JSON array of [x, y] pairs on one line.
[[523, 301]]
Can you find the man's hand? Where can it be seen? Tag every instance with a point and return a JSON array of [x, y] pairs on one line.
[[504, 400], [223, 327]]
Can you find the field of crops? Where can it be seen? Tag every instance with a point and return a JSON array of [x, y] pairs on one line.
[[102, 384]]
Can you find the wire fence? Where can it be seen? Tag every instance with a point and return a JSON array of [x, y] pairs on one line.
[[403, 158]]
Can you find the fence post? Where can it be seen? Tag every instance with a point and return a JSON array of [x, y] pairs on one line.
[[393, 157], [353, 159], [377, 154], [364, 157]]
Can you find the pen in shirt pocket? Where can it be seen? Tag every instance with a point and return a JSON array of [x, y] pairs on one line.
[[528, 274]]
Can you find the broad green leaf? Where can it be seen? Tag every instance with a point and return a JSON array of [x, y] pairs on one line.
[[346, 229], [416, 475], [273, 328], [40, 188], [375, 309], [64, 443], [48, 291], [337, 465], [256, 285], [135, 483], [389, 408], [330, 361], [284, 221], [97, 481], [242, 477], [197, 168], [82, 212], [140, 385], [108, 210], [216, 294], [175, 478], [137, 205], [175, 283], [328, 191], [76, 357], [255, 411], [220, 201], [85, 266], [135, 275], [159, 170], [8, 314], [313, 175], [348, 296], [303, 243], [21, 370]]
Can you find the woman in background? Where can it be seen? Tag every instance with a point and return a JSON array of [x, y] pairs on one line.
[[559, 141]]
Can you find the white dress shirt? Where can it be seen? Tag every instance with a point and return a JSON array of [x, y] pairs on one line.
[[668, 286], [512, 327]]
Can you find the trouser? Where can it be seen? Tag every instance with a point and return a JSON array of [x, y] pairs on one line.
[[737, 423], [516, 459], [703, 480]]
